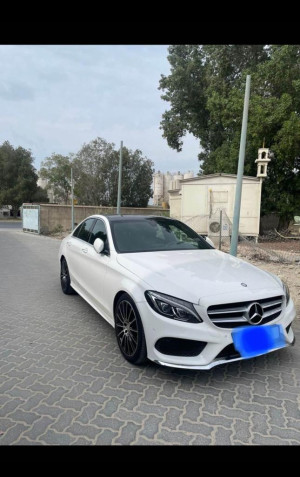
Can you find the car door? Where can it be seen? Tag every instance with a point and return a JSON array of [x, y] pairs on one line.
[[97, 265], [77, 250]]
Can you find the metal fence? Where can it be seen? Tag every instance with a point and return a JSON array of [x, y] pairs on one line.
[[218, 227], [283, 251]]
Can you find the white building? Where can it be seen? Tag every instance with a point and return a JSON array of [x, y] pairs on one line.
[[162, 183], [43, 184], [198, 201], [5, 211]]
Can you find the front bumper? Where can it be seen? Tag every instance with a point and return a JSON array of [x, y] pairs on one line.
[[156, 327], [216, 362]]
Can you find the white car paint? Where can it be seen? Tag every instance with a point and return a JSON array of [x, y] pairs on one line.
[[191, 277], [201, 277]]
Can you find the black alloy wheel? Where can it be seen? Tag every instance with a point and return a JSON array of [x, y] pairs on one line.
[[65, 278], [129, 331]]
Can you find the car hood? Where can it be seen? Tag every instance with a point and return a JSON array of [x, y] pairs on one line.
[[192, 274]]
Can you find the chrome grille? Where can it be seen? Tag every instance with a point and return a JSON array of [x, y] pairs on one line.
[[231, 315]]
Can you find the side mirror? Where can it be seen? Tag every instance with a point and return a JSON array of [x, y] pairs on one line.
[[208, 240], [98, 245]]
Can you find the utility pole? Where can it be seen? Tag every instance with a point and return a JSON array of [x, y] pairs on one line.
[[220, 234], [239, 181], [120, 182], [72, 199]]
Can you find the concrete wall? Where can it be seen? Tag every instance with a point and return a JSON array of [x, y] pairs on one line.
[[54, 217], [175, 206]]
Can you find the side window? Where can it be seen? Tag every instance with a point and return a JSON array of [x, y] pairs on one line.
[[84, 231], [99, 231], [76, 231]]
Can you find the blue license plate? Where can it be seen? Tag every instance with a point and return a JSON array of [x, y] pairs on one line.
[[253, 341]]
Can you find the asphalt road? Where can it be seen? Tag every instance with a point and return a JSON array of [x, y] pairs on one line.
[[63, 380], [10, 224]]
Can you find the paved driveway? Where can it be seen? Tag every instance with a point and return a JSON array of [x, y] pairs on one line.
[[63, 380]]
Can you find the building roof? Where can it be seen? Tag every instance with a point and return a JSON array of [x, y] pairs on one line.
[[208, 176]]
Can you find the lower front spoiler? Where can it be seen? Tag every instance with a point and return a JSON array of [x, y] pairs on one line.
[[217, 362]]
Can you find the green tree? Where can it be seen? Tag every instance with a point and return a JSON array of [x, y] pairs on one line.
[[137, 174], [56, 169], [94, 165], [40, 196], [18, 179], [96, 169], [206, 90]]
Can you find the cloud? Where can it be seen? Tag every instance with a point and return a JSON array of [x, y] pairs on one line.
[[61, 96], [16, 91]]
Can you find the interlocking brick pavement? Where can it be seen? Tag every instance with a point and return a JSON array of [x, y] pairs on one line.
[[63, 380]]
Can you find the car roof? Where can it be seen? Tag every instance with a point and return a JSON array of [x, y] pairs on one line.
[[124, 218]]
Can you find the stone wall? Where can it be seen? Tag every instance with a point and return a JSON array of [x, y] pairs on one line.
[[55, 218]]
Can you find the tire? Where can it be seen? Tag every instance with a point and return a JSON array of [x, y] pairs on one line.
[[129, 331], [65, 278]]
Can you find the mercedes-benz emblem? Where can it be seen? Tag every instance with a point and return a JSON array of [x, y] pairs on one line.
[[254, 314]]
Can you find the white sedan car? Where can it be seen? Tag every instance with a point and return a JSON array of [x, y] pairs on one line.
[[171, 297]]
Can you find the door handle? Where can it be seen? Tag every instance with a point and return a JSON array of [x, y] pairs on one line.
[[85, 250]]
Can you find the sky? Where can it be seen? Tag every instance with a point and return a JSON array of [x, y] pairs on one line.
[[55, 98]]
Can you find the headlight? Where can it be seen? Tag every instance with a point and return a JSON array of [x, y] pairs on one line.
[[171, 307], [286, 291]]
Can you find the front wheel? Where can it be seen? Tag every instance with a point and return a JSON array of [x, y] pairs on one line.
[[129, 331], [65, 278]]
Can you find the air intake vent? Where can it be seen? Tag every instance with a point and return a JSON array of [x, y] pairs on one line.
[[180, 347]]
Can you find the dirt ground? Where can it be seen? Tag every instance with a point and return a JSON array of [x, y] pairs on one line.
[[284, 246], [290, 273]]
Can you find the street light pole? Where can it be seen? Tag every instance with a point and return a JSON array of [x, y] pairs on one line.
[[239, 180], [72, 199], [120, 182]]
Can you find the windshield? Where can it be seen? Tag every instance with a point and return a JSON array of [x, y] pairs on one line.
[[154, 234]]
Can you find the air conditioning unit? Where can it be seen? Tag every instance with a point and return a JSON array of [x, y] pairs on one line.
[[214, 228], [215, 224]]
